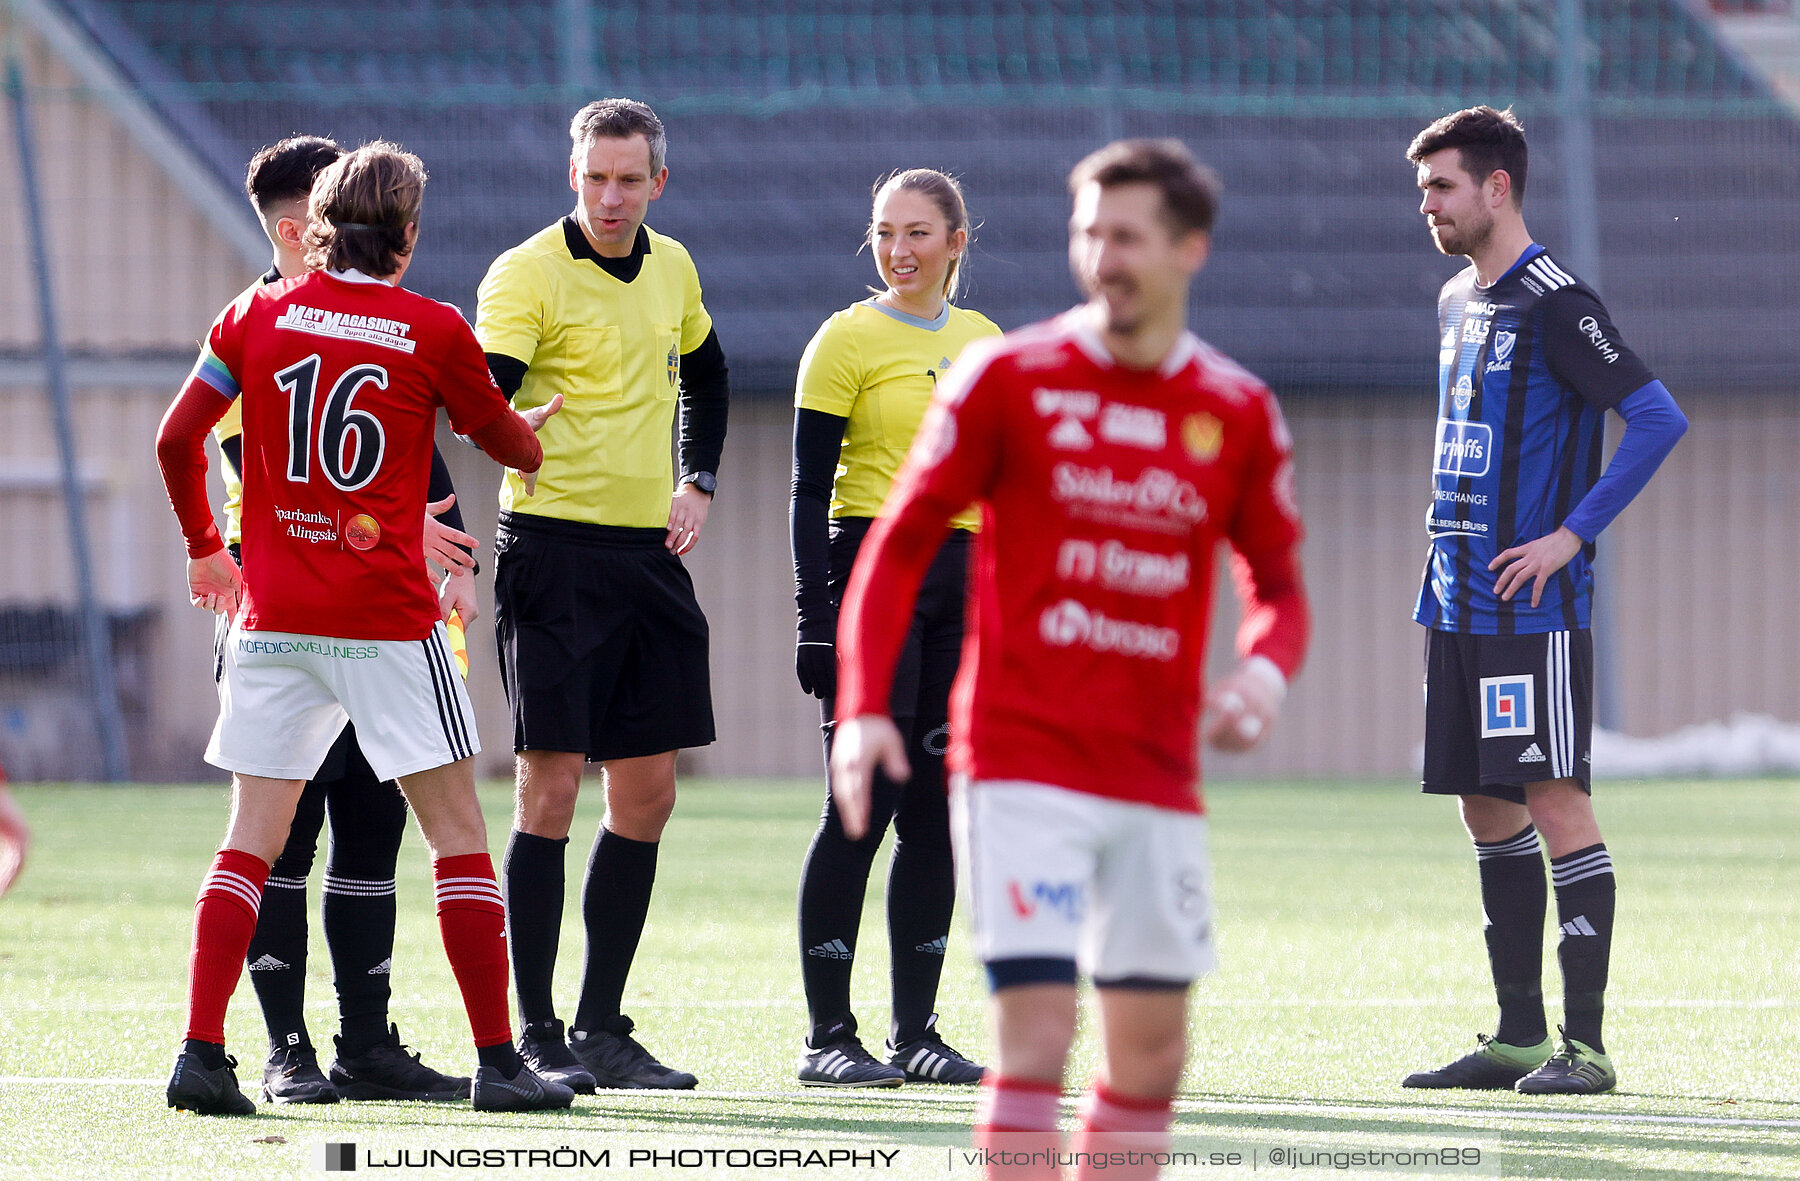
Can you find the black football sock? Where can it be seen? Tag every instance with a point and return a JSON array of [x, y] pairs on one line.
[[921, 894], [503, 1057], [368, 822], [834, 879], [1513, 900], [211, 1054], [1585, 890], [615, 900], [277, 959], [358, 917], [533, 885]]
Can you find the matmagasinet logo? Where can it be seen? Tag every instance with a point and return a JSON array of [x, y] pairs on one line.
[[335, 1158], [1507, 707]]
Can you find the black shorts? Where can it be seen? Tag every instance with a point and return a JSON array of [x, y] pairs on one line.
[[1504, 711], [603, 646]]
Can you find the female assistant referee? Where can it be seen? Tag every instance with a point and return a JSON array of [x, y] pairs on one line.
[[864, 384]]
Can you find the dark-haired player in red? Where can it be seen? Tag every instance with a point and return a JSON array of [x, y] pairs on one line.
[[1111, 452], [339, 373]]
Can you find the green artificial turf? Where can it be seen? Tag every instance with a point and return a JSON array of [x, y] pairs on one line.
[[1350, 954]]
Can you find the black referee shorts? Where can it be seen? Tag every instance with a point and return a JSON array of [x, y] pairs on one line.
[[1505, 711], [603, 646]]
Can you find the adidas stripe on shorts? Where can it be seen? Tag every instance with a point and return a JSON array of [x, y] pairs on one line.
[[284, 698], [1505, 711], [1121, 888]]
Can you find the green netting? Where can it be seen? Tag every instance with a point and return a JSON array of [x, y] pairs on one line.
[[1221, 56]]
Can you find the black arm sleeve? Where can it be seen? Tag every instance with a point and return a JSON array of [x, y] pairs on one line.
[[233, 451], [509, 372], [705, 406], [818, 438], [440, 487]]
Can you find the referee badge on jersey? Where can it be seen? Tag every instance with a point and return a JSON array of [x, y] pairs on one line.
[[1508, 707], [674, 364]]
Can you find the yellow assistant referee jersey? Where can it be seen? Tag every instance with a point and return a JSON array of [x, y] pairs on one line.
[[877, 367], [613, 351], [230, 427]]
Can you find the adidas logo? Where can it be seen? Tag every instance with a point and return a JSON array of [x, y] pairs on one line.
[[1578, 925], [832, 1063], [1532, 755], [937, 946], [927, 1064], [384, 968], [268, 963], [834, 950]]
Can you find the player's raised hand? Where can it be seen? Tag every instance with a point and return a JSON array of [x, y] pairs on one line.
[[535, 418], [445, 545], [687, 517], [858, 747], [1241, 707], [1534, 562], [215, 583]]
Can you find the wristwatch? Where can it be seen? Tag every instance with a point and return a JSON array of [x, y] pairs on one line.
[[705, 481]]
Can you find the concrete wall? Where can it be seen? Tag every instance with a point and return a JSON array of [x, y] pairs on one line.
[[1697, 574]]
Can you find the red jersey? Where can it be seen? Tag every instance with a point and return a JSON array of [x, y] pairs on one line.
[[340, 378], [1104, 492]]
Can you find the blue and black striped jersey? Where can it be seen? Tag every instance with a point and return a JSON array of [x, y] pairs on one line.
[[1527, 369]]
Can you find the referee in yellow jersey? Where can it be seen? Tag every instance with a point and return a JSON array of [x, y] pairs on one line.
[[603, 647], [864, 384]]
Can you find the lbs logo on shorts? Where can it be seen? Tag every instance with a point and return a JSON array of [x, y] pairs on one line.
[[1507, 707]]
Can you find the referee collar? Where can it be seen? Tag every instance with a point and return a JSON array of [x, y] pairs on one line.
[[623, 269], [932, 325]]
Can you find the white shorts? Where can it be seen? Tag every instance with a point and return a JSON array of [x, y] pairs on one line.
[[1122, 889], [284, 698]]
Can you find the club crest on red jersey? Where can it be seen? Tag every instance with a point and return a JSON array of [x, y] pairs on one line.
[[1202, 436]]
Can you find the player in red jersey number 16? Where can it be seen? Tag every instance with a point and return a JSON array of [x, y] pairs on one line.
[[339, 373]]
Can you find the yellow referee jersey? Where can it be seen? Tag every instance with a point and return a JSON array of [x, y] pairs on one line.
[[876, 367], [613, 351]]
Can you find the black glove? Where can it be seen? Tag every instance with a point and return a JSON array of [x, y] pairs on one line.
[[815, 663]]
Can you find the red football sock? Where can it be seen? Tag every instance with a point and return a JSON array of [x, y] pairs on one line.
[[1015, 1122], [1115, 1126], [473, 923], [224, 920]]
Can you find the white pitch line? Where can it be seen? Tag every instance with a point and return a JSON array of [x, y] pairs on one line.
[[1614, 1004], [1192, 1106]]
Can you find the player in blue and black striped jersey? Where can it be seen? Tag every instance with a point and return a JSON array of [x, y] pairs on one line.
[[1529, 363]]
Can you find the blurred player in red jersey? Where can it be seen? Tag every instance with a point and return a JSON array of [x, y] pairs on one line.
[[340, 373], [1110, 451]]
